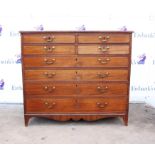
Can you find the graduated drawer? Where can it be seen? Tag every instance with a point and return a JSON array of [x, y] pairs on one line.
[[79, 61], [48, 105], [55, 89], [48, 38], [102, 61], [103, 38], [102, 89], [80, 75], [104, 49], [49, 61], [49, 88], [48, 49]]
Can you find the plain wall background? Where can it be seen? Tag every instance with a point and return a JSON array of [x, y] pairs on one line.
[[137, 16]]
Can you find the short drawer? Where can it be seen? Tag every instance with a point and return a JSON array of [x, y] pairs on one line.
[[48, 38], [53, 105], [49, 49], [102, 61], [54, 75], [102, 89], [49, 61], [49, 88], [104, 49], [102, 75], [103, 38]]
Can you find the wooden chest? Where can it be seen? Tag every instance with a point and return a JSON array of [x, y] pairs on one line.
[[76, 74]]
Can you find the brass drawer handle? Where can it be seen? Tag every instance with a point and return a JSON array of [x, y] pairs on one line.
[[50, 105], [48, 48], [103, 75], [103, 61], [102, 90], [101, 105], [100, 37], [49, 88], [49, 75], [103, 38], [49, 61], [48, 38], [104, 48]]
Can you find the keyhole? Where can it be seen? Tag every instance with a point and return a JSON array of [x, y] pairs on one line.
[[76, 60]]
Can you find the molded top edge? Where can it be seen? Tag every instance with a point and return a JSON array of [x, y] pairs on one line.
[[75, 31]]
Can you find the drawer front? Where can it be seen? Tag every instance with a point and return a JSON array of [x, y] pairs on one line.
[[47, 105], [48, 38], [54, 75], [103, 49], [49, 49], [102, 61], [102, 89], [44, 105], [103, 104], [103, 38], [49, 88], [102, 75], [49, 61], [80, 75]]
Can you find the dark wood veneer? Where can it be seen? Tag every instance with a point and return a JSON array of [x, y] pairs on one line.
[[76, 74]]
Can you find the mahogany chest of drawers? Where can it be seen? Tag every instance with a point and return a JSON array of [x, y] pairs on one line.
[[76, 74]]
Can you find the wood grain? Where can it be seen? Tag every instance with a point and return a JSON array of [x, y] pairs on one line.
[[49, 49], [100, 61], [107, 49], [49, 88], [102, 75], [52, 37], [70, 105], [95, 38], [49, 61], [102, 89], [76, 75]]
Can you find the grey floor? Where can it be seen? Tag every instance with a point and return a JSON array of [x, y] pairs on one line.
[[141, 128]]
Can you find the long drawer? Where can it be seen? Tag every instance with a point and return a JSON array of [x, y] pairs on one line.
[[104, 49], [53, 105], [103, 38], [49, 49], [77, 75], [74, 61], [65, 89]]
